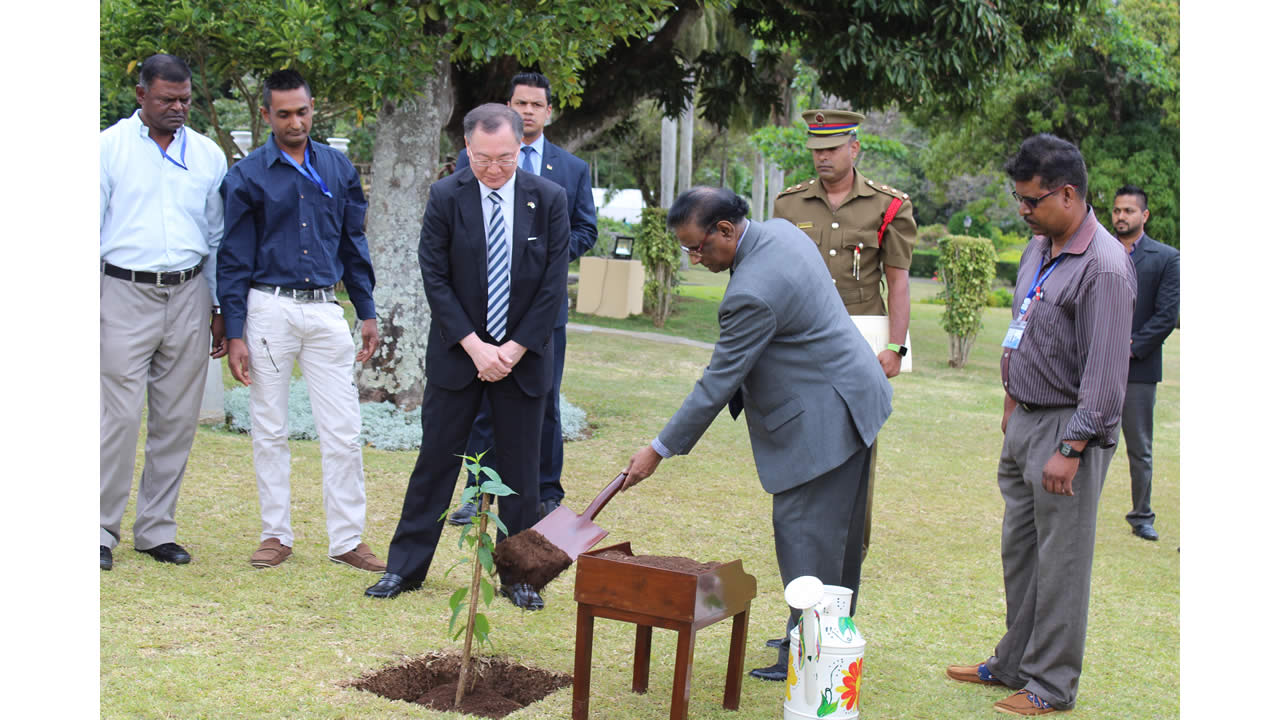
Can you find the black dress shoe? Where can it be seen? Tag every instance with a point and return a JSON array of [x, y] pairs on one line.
[[168, 553], [776, 642], [463, 515], [523, 596], [774, 673], [546, 506], [104, 557], [1146, 532], [390, 586]]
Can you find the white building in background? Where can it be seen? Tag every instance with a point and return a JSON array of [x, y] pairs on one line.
[[623, 205]]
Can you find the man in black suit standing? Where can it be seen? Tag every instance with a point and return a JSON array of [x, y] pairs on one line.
[[1155, 313], [494, 257], [530, 96]]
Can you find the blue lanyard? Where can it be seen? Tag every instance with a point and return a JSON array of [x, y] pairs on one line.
[[182, 152], [1037, 288], [306, 169]]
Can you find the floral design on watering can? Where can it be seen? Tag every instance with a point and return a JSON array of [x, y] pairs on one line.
[[852, 684]]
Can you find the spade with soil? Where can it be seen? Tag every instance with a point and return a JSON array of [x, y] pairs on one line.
[[538, 555]]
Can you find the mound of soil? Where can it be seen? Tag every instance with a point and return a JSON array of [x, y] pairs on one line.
[[664, 562], [501, 686]]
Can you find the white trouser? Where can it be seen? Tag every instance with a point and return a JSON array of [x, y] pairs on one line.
[[279, 330]]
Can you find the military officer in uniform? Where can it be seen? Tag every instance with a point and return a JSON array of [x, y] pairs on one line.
[[865, 232]]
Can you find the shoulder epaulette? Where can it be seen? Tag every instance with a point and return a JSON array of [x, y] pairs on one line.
[[892, 192], [795, 188]]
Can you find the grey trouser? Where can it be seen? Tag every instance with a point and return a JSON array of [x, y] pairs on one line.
[[817, 530], [1137, 422], [154, 342], [1047, 551]]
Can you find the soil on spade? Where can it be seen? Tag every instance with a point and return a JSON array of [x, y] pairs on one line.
[[501, 686]]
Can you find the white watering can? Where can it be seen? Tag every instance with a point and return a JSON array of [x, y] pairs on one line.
[[824, 664]]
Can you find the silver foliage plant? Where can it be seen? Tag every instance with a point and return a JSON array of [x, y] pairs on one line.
[[383, 425]]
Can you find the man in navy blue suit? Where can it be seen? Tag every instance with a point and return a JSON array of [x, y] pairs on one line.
[[531, 97]]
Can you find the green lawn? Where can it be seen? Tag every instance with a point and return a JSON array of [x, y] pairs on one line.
[[218, 639]]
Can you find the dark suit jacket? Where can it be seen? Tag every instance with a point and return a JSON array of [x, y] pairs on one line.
[[813, 391], [454, 260], [1155, 311], [571, 173]]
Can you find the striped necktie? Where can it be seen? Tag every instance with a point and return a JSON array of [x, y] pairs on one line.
[[499, 272], [526, 163]]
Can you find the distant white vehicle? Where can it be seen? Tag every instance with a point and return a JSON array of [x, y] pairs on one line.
[[624, 205]]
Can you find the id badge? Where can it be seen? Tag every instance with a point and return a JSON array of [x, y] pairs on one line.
[[1014, 336]]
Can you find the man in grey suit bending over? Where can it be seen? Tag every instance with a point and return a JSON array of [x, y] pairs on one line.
[[814, 393]]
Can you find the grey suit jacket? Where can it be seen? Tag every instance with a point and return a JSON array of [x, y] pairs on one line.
[[813, 391]]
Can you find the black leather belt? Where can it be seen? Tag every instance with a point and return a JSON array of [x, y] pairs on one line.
[[176, 277], [324, 294], [1032, 408]]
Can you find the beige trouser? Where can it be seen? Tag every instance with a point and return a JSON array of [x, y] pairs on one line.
[[154, 343], [279, 330]]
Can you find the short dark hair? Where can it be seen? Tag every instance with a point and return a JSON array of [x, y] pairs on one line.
[[287, 79], [1136, 192], [490, 117], [705, 206], [1055, 160], [531, 79], [169, 68]]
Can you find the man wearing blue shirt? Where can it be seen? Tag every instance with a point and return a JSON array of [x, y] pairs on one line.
[[531, 97], [160, 222], [295, 227]]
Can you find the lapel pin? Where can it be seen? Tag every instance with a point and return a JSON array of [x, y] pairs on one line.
[[549, 166], [532, 206]]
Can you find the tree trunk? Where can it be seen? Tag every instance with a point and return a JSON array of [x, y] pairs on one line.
[[668, 182], [776, 179], [758, 190], [686, 148], [405, 155]]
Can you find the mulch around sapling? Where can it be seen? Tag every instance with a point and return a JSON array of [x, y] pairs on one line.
[[663, 562], [501, 686]]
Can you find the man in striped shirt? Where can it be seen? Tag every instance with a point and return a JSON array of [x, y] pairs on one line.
[[1064, 367]]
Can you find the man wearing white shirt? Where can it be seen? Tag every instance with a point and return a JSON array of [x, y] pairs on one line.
[[160, 225]]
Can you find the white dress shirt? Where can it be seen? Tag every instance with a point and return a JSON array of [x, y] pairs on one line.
[[156, 216]]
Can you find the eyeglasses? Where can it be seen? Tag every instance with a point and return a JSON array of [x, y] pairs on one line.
[[505, 161], [698, 250], [1031, 203]]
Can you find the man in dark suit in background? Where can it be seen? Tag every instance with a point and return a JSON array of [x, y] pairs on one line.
[[1155, 313], [814, 393], [494, 257], [531, 97]]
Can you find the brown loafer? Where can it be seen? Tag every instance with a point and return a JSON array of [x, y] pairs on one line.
[[270, 553], [1024, 703], [973, 674], [360, 558]]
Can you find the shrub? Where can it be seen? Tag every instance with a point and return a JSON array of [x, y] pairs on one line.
[[659, 251], [1000, 298], [928, 236], [606, 229], [966, 266], [924, 263]]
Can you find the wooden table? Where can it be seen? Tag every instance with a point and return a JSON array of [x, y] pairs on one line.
[[654, 597]]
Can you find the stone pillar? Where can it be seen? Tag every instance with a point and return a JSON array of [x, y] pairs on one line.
[[211, 409]]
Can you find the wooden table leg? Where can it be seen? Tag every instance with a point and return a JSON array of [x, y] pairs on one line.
[[582, 663], [737, 655], [684, 674], [640, 673]]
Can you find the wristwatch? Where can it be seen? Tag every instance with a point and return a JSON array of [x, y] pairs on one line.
[[1067, 451], [900, 349]]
